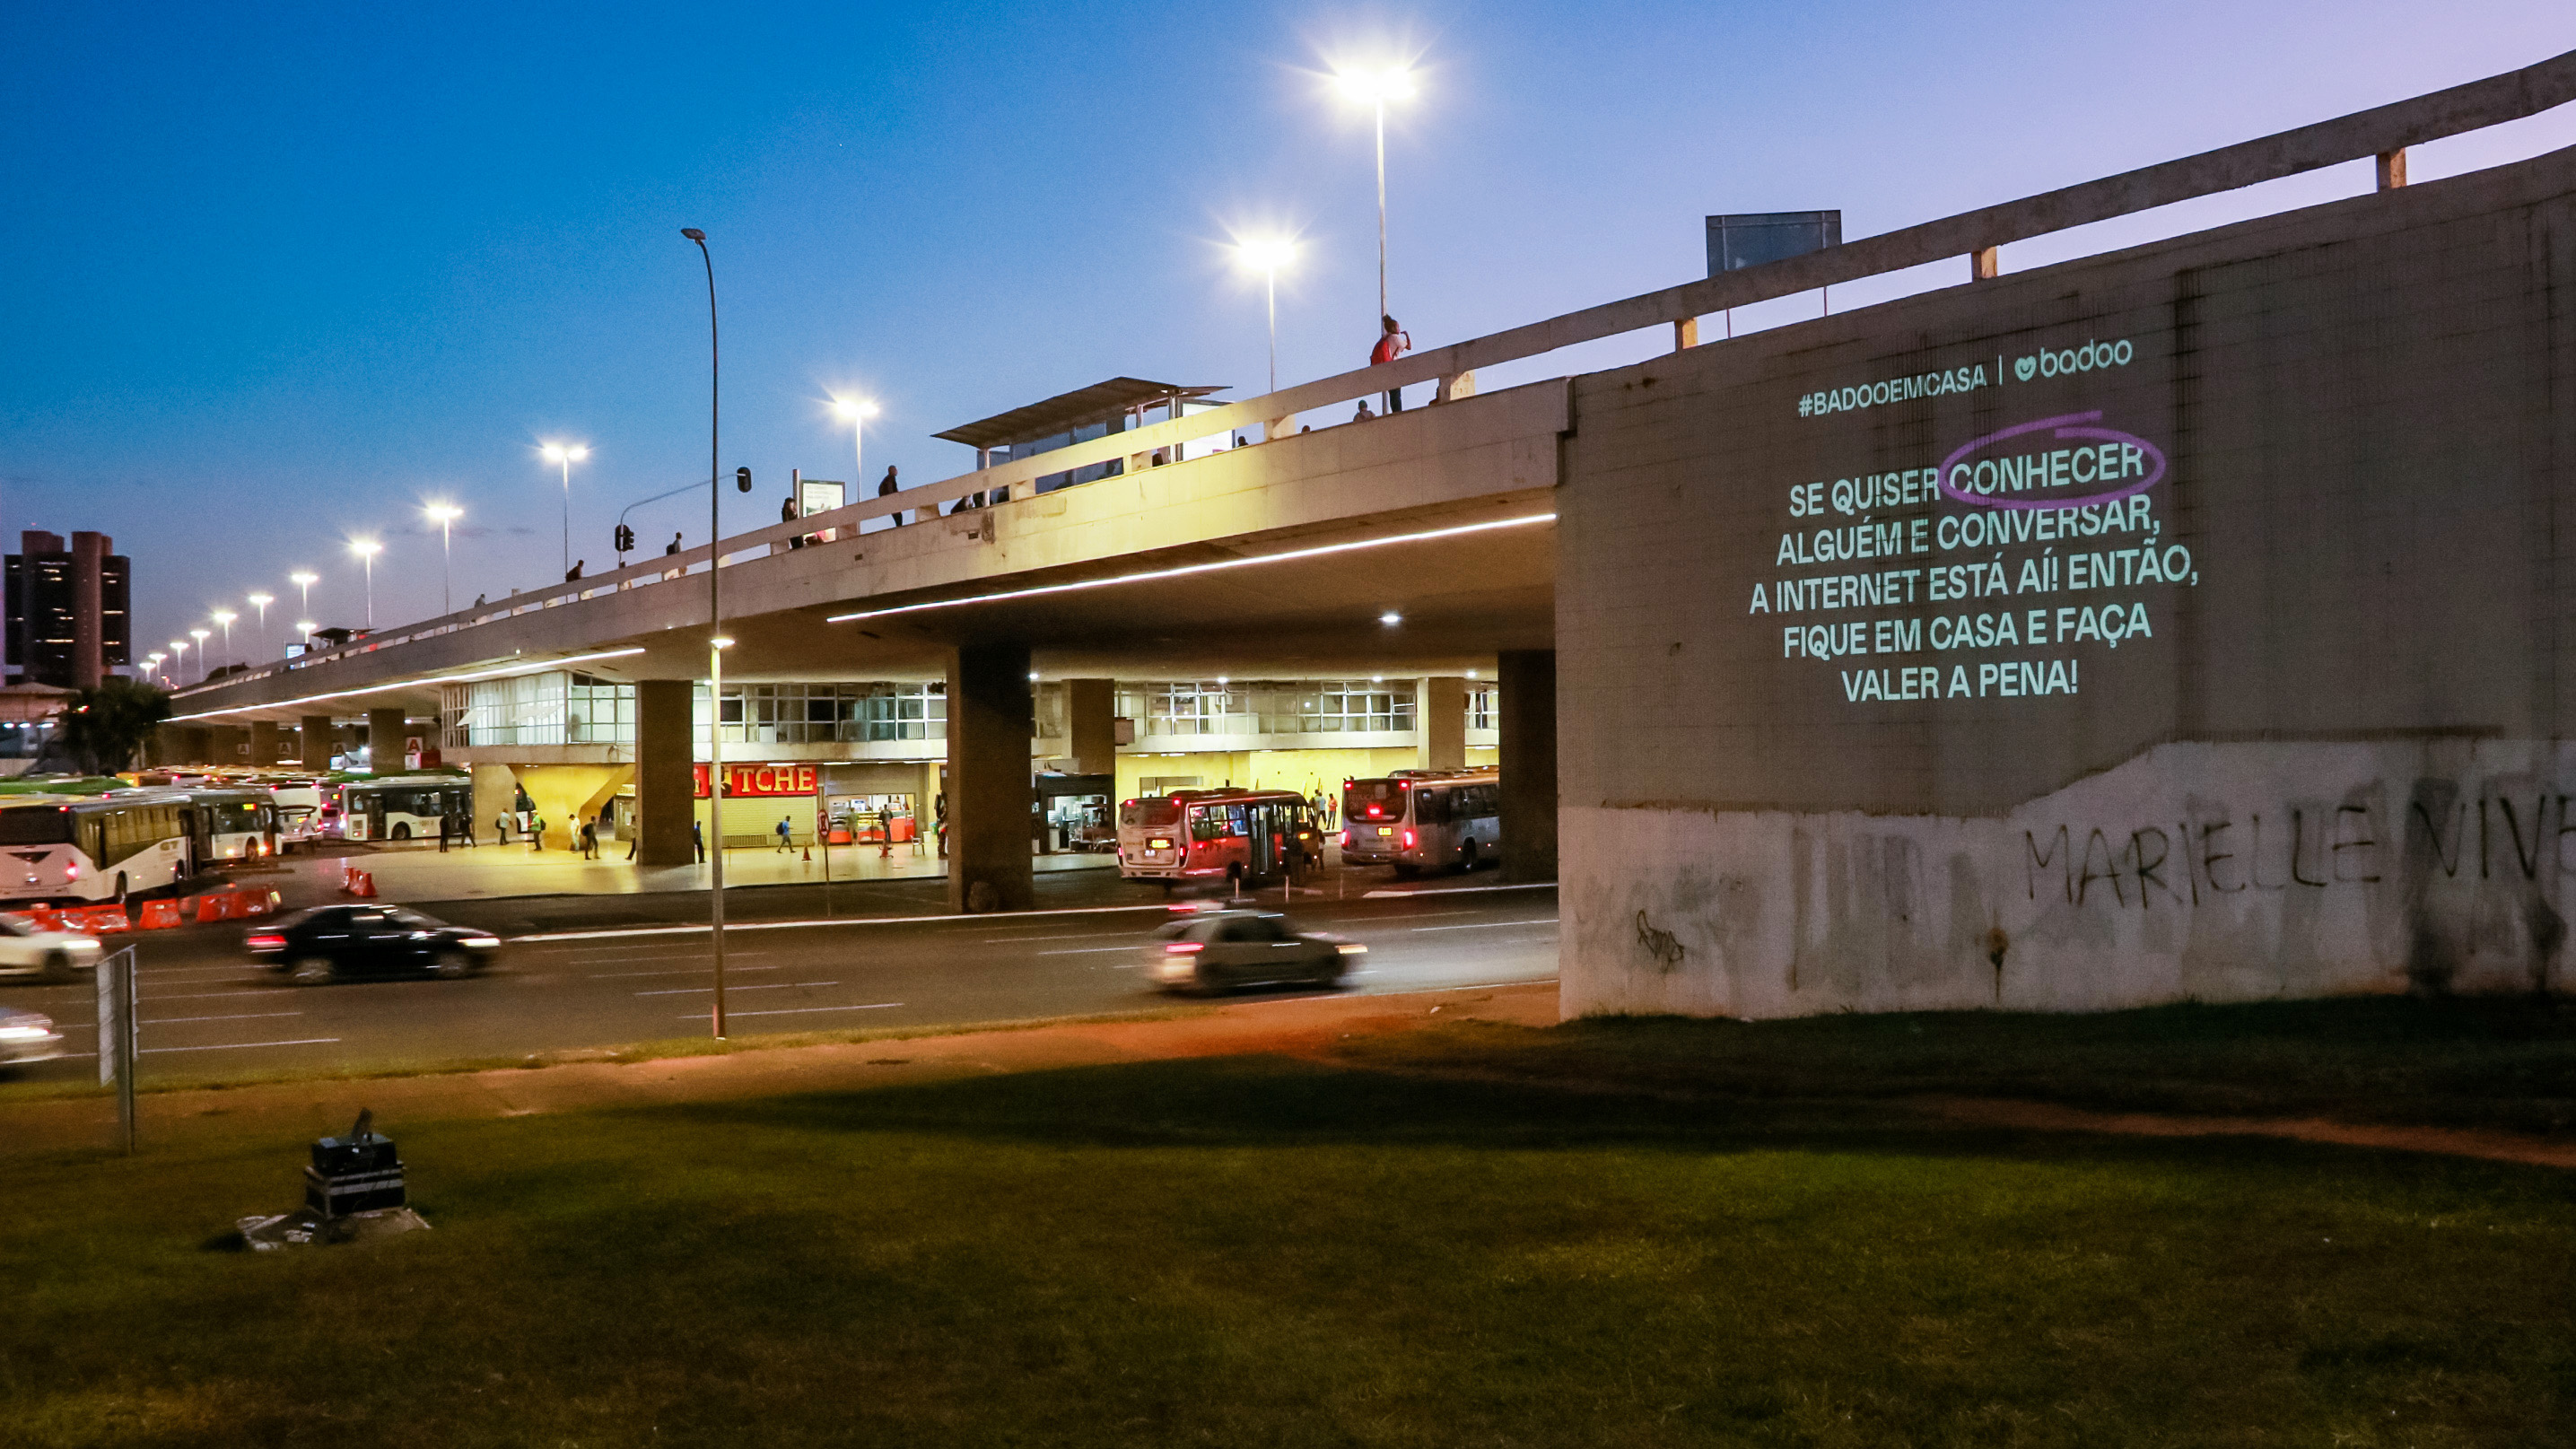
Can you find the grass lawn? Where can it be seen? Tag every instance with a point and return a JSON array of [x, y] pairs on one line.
[[1263, 1251]]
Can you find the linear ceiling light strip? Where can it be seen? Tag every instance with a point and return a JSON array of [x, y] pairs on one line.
[[539, 667], [1186, 570]]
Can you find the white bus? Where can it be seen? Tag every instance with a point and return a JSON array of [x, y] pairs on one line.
[[404, 807], [299, 812], [64, 847], [233, 825], [1423, 819]]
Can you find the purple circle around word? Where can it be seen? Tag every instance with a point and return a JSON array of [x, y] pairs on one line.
[[2064, 426]]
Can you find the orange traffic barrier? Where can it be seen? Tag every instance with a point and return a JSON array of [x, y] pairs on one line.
[[105, 920], [362, 884], [210, 907], [158, 916], [258, 902]]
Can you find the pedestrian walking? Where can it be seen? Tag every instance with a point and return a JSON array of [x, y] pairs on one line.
[[885, 831], [1392, 342], [501, 827], [536, 832], [786, 832], [589, 840], [446, 824], [698, 841], [887, 488]]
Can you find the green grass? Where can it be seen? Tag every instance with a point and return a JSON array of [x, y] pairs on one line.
[[1267, 1252], [2491, 1062]]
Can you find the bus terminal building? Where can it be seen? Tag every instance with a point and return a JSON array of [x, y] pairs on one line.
[[2195, 620]]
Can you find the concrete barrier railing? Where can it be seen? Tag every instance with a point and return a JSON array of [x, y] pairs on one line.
[[2384, 132]]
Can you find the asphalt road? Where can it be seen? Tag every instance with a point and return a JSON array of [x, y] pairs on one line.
[[603, 971]]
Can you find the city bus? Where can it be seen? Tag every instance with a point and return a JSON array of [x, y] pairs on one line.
[[230, 825], [94, 848], [1217, 835], [1423, 819], [403, 807], [299, 811]]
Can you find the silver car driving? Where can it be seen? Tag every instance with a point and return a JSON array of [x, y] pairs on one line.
[[1212, 950]]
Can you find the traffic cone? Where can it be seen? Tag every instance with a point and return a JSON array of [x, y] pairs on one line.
[[809, 855]]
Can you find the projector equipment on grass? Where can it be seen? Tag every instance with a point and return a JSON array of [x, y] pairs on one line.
[[353, 1190]]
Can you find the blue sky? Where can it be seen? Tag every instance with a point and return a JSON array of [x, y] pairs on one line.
[[284, 273]]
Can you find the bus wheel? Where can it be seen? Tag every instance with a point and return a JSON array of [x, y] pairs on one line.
[[402, 832], [1467, 858]]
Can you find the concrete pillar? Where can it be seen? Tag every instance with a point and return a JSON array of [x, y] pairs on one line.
[[666, 750], [1440, 722], [496, 792], [197, 745], [991, 716], [263, 742], [385, 736], [1528, 750], [314, 750], [227, 745], [1090, 705]]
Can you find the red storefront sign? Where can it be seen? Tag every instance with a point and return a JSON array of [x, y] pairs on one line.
[[744, 782]]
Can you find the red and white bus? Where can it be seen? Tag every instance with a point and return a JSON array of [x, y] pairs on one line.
[[1217, 835], [1423, 819]]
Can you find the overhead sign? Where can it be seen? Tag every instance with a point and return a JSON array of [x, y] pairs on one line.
[[1748, 239], [754, 781]]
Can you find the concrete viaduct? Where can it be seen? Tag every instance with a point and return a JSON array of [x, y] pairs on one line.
[[2184, 621]]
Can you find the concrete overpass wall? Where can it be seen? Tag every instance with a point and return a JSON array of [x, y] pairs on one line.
[[2286, 716]]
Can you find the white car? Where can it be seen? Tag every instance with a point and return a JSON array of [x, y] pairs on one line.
[[27, 1036], [53, 955], [1211, 950]]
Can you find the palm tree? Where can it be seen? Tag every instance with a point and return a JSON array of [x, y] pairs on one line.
[[103, 727]]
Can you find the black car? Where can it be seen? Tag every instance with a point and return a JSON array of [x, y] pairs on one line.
[[313, 946]]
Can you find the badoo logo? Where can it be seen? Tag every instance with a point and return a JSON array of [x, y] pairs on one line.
[[2087, 358]]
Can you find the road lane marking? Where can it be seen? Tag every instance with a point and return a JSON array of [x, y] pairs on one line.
[[1488, 925], [709, 990], [207, 995], [239, 1045], [1098, 950], [732, 927], [247, 1016], [798, 1010], [1384, 895], [700, 971], [1030, 940]]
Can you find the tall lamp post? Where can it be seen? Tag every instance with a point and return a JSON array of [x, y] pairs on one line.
[[225, 618], [179, 660], [152, 665], [261, 602], [367, 549], [201, 635], [855, 411], [1267, 255], [1395, 83], [566, 455], [305, 579], [445, 515], [716, 641]]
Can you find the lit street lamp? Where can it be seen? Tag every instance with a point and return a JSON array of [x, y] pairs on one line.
[[261, 603], [152, 665], [304, 630], [1267, 255], [1392, 84], [225, 617], [566, 456], [305, 579], [368, 548], [446, 515], [179, 666], [855, 411]]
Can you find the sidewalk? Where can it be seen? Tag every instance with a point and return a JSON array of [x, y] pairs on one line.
[[421, 872], [292, 1113]]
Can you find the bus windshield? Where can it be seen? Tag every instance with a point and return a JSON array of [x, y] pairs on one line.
[[40, 825], [1150, 814], [1373, 800], [235, 817]]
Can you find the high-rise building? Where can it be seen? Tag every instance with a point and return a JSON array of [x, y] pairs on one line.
[[67, 610]]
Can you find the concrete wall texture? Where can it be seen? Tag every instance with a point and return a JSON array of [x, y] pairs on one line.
[[2265, 522]]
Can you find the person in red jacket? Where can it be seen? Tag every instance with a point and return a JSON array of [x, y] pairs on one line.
[[1392, 342]]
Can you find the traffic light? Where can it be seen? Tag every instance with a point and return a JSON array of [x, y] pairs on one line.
[[742, 479], [625, 539]]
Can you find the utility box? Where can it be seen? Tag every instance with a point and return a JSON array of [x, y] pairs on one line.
[[353, 1174]]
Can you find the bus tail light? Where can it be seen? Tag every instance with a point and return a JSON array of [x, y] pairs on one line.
[[1408, 840], [71, 870]]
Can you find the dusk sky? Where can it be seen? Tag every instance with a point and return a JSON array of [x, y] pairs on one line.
[[283, 273]]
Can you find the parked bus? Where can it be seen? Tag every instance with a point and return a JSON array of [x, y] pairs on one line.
[[299, 812], [1217, 835], [1423, 819], [232, 825], [102, 848], [403, 807]]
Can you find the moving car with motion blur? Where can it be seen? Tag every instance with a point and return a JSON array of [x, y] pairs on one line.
[[27, 1036], [1214, 950], [52, 955], [311, 947]]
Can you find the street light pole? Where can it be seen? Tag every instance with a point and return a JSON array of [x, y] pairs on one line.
[[305, 579], [447, 514], [367, 549], [225, 617], [715, 627], [200, 635], [858, 410], [567, 456], [1394, 83], [267, 641]]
